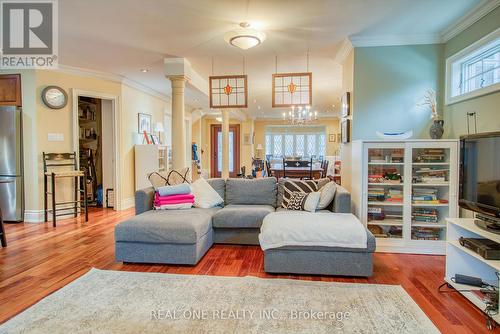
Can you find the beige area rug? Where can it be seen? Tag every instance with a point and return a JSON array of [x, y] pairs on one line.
[[104, 301]]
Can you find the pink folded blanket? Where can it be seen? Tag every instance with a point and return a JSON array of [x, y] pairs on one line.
[[174, 197], [173, 201]]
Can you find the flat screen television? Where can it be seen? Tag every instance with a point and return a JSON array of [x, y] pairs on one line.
[[480, 178]]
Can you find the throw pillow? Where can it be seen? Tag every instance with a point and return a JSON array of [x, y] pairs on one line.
[[204, 195], [170, 178], [327, 194], [302, 186], [303, 201]]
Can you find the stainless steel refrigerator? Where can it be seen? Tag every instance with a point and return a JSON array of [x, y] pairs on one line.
[[11, 164]]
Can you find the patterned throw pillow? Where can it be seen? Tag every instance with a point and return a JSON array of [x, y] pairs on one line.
[[304, 202], [301, 186], [297, 201], [170, 178]]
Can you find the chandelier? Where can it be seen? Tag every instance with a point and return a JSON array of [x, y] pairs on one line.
[[300, 116]]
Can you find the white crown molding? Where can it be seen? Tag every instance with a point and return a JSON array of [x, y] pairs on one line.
[[394, 40], [480, 11], [343, 51], [113, 78]]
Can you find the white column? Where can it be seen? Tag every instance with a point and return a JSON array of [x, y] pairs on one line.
[[225, 143], [178, 122]]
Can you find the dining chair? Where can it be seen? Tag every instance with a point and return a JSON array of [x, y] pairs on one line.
[[298, 163], [2, 231], [324, 167], [267, 164]]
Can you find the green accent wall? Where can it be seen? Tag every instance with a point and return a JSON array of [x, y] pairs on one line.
[[487, 107], [389, 83]]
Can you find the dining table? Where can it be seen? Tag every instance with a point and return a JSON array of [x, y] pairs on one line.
[[297, 172]]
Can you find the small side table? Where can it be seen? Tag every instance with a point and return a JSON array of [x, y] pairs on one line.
[[3, 238]]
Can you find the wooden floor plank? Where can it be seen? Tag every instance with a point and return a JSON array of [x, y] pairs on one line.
[[41, 259]]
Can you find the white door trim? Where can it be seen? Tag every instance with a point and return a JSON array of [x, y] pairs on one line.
[[115, 107]]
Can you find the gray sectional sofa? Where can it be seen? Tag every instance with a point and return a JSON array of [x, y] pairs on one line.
[[184, 236]]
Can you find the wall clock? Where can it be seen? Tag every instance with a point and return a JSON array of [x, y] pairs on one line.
[[54, 97]]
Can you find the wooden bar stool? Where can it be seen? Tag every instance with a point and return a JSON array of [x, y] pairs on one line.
[[51, 164], [3, 237]]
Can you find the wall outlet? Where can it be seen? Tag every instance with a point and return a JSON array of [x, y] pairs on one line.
[[55, 137]]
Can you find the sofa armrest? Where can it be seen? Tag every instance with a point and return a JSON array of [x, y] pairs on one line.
[[342, 200], [144, 200]]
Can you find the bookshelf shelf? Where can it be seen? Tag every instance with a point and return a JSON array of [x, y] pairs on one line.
[[429, 173]]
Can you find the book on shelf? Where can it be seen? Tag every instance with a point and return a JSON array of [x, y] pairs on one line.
[[439, 201]]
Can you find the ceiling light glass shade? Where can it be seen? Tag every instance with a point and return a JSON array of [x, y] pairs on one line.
[[245, 38]]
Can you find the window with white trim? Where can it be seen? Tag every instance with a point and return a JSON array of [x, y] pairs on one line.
[[474, 71], [297, 141]]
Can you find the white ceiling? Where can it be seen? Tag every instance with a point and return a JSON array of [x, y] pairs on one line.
[[124, 36]]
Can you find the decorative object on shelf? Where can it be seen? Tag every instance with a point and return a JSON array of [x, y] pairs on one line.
[[345, 129], [345, 104], [146, 138], [395, 135], [228, 91], [245, 37], [300, 116], [144, 123], [292, 89], [54, 97], [332, 137], [159, 129], [155, 140], [436, 130]]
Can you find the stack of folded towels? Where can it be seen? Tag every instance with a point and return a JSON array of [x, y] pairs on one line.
[[174, 197]]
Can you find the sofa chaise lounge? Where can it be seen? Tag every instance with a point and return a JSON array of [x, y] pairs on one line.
[[184, 236]]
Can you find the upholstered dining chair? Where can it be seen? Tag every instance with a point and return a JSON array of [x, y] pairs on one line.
[[288, 164], [324, 167]]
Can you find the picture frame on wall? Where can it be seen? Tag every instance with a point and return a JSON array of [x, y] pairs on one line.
[[345, 104], [332, 137], [144, 123], [345, 129]]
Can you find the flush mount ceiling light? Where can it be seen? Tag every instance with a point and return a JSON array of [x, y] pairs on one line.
[[245, 38]]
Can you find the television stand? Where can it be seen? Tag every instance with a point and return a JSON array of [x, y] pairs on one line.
[[461, 260], [489, 224]]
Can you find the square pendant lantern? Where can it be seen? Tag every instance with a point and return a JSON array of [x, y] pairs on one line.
[[228, 91], [292, 89]]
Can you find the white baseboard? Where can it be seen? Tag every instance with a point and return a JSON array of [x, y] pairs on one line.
[[33, 216], [128, 203]]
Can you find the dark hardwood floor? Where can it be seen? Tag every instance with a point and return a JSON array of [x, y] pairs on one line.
[[40, 259]]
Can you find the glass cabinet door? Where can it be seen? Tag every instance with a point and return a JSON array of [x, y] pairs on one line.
[[385, 195], [430, 192]]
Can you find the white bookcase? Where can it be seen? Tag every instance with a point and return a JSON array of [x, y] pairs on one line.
[[461, 260], [148, 159], [404, 191]]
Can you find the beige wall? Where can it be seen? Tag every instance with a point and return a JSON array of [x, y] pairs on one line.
[[134, 102], [39, 121]]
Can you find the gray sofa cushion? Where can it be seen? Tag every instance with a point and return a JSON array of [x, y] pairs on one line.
[[251, 191], [219, 185], [370, 247], [166, 226], [241, 216]]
